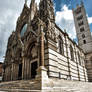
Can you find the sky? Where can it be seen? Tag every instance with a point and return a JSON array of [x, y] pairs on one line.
[[11, 9]]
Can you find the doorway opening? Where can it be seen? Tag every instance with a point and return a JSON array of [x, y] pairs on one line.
[[20, 72], [33, 69]]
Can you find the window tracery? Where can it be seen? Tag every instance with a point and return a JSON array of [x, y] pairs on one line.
[[71, 53], [61, 47], [23, 30]]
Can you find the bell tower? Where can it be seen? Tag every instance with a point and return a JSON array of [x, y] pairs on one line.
[[82, 28], [84, 36]]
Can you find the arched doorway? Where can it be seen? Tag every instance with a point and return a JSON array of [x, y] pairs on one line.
[[33, 59], [20, 72], [33, 69]]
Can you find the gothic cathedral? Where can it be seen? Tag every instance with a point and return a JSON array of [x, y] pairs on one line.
[[38, 41]]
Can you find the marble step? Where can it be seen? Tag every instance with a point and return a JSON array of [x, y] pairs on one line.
[[59, 86]]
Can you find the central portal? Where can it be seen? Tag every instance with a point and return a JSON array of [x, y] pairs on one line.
[[33, 69], [20, 72]]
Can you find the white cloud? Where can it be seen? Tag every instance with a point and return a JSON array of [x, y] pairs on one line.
[[9, 13], [1, 59], [90, 20], [64, 19], [29, 1]]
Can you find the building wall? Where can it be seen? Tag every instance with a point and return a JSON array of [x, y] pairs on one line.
[[88, 63], [61, 66], [1, 71]]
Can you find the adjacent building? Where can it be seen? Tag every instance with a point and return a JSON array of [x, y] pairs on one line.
[[84, 36]]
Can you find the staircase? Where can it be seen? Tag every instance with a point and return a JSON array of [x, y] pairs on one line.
[[59, 85], [72, 86], [20, 85]]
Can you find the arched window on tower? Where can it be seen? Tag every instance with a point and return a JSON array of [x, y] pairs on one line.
[[71, 53], [83, 35], [84, 41], [61, 47]]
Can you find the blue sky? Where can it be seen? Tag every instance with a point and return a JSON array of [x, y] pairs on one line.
[[63, 7], [11, 9], [72, 3]]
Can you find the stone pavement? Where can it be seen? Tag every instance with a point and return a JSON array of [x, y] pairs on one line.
[[58, 86]]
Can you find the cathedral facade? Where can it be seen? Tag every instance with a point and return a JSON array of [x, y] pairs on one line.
[[38, 41]]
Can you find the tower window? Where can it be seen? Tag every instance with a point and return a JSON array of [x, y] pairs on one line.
[[78, 11], [82, 29], [84, 41], [81, 23], [80, 17], [83, 35]]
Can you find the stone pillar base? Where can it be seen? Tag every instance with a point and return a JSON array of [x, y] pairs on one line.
[[43, 78], [41, 73]]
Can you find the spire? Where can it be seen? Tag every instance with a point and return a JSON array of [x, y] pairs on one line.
[[82, 3], [46, 10], [25, 2], [32, 3], [33, 9]]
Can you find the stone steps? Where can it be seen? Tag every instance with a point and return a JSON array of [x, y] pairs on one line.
[[59, 86], [73, 86], [19, 85]]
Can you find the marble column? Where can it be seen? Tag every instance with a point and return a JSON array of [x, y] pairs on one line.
[[42, 49], [42, 71]]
